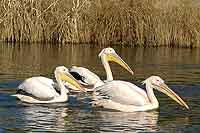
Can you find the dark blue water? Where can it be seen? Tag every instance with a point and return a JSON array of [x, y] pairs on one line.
[[180, 68]]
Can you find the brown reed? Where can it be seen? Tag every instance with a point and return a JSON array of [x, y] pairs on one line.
[[131, 22]]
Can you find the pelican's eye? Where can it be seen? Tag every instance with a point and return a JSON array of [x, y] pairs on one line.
[[156, 81], [63, 69], [110, 51], [159, 81]]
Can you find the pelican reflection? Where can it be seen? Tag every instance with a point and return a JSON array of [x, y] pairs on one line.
[[47, 118], [128, 122]]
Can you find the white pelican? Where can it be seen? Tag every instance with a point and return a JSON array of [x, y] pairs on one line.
[[44, 90], [86, 76], [127, 97]]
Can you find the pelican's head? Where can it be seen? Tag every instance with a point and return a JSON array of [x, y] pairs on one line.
[[109, 54], [62, 73], [157, 83]]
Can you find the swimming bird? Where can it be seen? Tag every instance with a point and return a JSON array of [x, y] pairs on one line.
[[45, 90], [127, 97], [85, 76]]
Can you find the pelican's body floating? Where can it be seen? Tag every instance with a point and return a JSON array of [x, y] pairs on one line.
[[86, 76], [127, 97], [44, 90]]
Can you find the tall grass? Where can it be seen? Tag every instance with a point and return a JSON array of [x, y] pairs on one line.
[[132, 22]]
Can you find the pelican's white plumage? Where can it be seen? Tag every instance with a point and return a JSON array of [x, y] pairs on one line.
[[127, 97], [122, 92], [42, 87], [45, 90]]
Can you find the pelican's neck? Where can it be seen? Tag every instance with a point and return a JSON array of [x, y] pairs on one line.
[[107, 68], [61, 86], [152, 98]]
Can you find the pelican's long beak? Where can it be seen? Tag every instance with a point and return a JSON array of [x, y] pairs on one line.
[[115, 58], [70, 79], [166, 90]]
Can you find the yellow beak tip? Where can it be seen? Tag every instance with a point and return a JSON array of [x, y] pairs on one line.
[[188, 108], [132, 73]]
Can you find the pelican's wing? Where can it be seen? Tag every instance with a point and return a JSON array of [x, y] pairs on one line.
[[121, 92], [39, 87], [84, 75]]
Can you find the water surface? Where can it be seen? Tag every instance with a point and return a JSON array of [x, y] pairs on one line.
[[179, 67]]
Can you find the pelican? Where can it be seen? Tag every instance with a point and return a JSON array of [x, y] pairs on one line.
[[44, 90], [127, 97], [86, 76]]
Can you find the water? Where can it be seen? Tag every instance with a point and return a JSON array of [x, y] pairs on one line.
[[180, 68]]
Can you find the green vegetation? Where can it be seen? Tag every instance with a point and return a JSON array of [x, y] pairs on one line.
[[133, 22]]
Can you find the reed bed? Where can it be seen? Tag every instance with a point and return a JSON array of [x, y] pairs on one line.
[[131, 22]]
